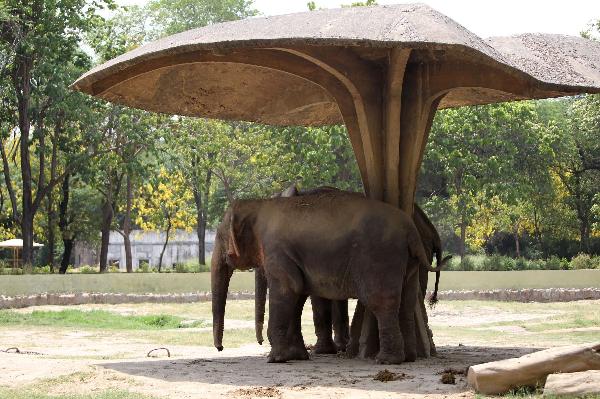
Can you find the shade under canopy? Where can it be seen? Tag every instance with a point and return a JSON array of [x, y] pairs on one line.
[[239, 70]]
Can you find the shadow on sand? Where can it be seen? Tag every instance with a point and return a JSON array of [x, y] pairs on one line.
[[322, 371]]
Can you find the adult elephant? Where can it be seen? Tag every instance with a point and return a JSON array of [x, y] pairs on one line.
[[303, 245], [332, 316]]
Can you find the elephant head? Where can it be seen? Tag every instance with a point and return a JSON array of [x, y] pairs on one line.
[[236, 247]]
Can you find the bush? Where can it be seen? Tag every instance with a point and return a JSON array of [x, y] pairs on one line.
[[86, 269], [522, 264], [42, 270], [466, 264], [191, 268], [498, 263], [585, 261], [553, 263], [144, 268]]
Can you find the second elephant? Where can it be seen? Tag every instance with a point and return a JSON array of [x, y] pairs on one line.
[[332, 316]]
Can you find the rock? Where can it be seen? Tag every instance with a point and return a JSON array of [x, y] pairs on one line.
[[531, 370], [573, 384]]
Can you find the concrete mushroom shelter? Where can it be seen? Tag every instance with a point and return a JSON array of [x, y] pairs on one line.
[[383, 71]]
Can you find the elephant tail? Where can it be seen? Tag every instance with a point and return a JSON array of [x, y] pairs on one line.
[[260, 298], [441, 263]]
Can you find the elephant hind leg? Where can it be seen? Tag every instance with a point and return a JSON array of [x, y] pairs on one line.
[[391, 349], [410, 293], [322, 317], [341, 324], [385, 306]]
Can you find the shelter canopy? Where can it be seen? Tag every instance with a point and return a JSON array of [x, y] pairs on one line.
[[240, 70]]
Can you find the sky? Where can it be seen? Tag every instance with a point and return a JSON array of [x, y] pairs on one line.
[[483, 17]]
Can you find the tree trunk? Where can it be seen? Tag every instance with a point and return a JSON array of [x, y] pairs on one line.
[[517, 245], [584, 236], [200, 229], [127, 226], [27, 231], [160, 259], [66, 257], [107, 216], [51, 238], [58, 128], [63, 224], [22, 83], [463, 235]]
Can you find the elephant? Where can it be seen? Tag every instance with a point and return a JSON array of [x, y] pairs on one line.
[[333, 315], [303, 245]]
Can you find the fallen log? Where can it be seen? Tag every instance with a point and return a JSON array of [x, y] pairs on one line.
[[573, 384], [531, 370]]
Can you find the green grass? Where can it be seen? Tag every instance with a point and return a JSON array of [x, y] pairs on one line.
[[33, 394], [93, 319]]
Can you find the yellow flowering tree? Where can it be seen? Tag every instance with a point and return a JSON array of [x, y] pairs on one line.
[[164, 205]]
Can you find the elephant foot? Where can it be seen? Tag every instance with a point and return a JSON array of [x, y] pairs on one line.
[[325, 347], [273, 358], [389, 358], [341, 346], [352, 349], [298, 353], [292, 353], [411, 355]]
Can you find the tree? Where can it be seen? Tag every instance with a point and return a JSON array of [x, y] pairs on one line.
[[181, 15], [476, 150], [35, 36], [163, 204], [573, 138]]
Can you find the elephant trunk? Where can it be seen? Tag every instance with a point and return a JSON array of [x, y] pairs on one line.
[[220, 276], [260, 284]]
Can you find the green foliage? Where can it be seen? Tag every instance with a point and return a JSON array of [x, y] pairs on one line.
[[181, 15], [144, 268], [585, 261], [191, 268], [86, 269], [94, 319], [42, 270]]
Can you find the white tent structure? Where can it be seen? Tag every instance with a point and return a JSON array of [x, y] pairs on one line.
[[16, 244]]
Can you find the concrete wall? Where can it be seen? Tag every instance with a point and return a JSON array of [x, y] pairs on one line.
[[146, 246], [523, 286], [524, 295], [163, 283]]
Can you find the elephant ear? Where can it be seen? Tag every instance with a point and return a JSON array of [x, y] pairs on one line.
[[291, 191]]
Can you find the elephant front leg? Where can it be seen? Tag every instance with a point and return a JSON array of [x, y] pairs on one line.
[[321, 308], [282, 309], [297, 348]]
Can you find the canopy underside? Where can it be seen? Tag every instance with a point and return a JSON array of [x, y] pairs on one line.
[[262, 70]]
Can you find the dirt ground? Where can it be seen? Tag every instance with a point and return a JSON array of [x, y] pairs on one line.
[[91, 361]]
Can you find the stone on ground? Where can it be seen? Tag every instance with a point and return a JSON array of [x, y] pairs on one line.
[[573, 384], [501, 376]]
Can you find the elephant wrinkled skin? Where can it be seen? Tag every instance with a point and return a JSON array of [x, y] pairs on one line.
[[331, 246], [332, 316]]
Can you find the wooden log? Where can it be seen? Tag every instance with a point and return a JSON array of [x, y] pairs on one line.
[[531, 370], [573, 384]]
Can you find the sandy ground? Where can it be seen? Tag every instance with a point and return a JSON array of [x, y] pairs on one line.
[[81, 361]]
